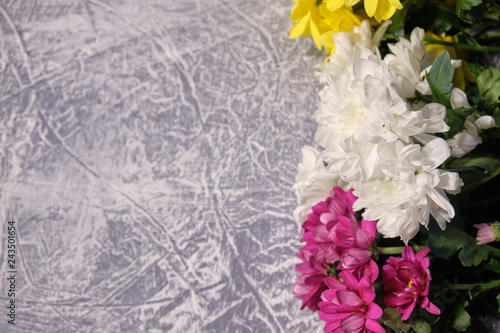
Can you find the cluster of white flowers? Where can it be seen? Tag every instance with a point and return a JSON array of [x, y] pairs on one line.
[[376, 140]]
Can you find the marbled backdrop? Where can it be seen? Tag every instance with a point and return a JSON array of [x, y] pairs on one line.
[[148, 150]]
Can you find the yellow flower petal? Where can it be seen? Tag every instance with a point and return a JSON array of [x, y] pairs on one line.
[[396, 4], [459, 78], [296, 13], [328, 42], [333, 5], [301, 9], [315, 34], [353, 17], [351, 3], [300, 28], [388, 12], [370, 7]]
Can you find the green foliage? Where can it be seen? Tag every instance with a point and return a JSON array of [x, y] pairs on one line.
[[445, 243], [496, 114], [467, 4], [455, 118], [462, 319], [421, 326], [494, 265], [444, 21], [440, 77], [476, 69], [475, 170], [470, 11], [488, 83], [397, 27], [392, 319]]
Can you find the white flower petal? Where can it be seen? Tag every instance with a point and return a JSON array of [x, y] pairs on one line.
[[435, 153], [450, 181], [485, 122], [458, 98]]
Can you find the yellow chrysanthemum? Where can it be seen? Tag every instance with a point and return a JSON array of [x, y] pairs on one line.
[[459, 76], [312, 18], [341, 20], [380, 9]]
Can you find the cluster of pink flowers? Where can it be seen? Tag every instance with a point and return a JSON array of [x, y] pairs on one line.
[[338, 272], [334, 241]]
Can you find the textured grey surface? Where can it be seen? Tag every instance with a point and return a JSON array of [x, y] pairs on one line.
[[148, 149]]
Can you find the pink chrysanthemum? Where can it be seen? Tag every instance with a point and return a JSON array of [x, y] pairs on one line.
[[348, 306], [487, 232], [355, 243], [321, 223], [311, 281], [320, 252], [406, 281]]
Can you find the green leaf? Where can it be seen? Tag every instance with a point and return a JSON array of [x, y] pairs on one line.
[[455, 118], [498, 301], [476, 69], [494, 265], [477, 169], [392, 319], [421, 326], [496, 116], [444, 21], [445, 243], [488, 83], [474, 15], [397, 27], [440, 77], [462, 320], [467, 4]]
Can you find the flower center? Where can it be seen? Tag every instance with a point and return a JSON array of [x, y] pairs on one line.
[[409, 286]]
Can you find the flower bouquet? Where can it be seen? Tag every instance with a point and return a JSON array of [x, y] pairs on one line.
[[398, 207]]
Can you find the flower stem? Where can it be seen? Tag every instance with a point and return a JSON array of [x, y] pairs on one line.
[[464, 46], [397, 249], [467, 286]]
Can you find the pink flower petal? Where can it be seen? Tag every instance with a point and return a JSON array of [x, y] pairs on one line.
[[370, 226], [374, 311], [431, 308], [374, 326], [367, 295], [349, 280], [349, 297], [363, 239], [408, 309], [421, 254], [392, 300], [334, 284], [408, 253], [354, 323]]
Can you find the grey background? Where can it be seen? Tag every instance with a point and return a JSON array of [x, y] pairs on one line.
[[148, 150]]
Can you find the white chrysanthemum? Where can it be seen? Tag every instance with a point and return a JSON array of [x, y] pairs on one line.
[[464, 142], [407, 187], [408, 60], [344, 46], [313, 183], [359, 109]]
